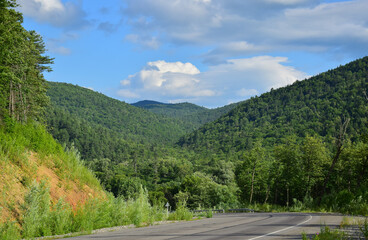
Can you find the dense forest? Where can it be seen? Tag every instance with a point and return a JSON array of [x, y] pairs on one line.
[[130, 122], [186, 112], [22, 62], [45, 188], [287, 147], [316, 106], [303, 146], [298, 143]]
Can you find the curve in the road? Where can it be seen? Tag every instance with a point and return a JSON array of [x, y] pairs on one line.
[[284, 229]]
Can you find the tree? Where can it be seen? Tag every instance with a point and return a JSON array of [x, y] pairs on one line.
[[252, 173], [287, 156], [22, 85], [314, 157]]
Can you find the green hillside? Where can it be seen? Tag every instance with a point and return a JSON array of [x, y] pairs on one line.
[[130, 122], [317, 105], [186, 112], [177, 110]]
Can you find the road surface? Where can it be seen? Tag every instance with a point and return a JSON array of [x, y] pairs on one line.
[[244, 226]]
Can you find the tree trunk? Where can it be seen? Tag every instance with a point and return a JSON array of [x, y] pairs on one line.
[[252, 183], [11, 100], [339, 145], [267, 194]]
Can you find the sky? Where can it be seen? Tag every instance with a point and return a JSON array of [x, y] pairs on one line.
[[208, 52]]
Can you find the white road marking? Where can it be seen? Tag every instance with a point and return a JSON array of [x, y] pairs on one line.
[[268, 234]]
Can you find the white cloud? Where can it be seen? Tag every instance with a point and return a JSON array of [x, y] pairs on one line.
[[162, 78], [234, 80], [65, 15], [257, 73], [125, 82], [252, 27]]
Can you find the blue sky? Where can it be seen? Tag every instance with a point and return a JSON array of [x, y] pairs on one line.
[[208, 52]]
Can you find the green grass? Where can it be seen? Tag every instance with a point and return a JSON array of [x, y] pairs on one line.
[[41, 218], [17, 140]]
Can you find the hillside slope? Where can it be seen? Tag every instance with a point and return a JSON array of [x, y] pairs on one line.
[[314, 106], [186, 112], [29, 155], [132, 123]]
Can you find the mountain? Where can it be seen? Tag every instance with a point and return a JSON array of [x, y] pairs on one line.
[[148, 104], [131, 123], [186, 112], [316, 106]]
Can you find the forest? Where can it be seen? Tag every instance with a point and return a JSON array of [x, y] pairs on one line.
[[288, 147], [299, 147]]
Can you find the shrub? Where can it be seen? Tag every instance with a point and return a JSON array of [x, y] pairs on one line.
[[9, 231]]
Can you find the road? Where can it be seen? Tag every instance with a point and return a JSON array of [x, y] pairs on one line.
[[244, 226]]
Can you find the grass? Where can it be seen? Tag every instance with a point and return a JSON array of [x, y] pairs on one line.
[[41, 218], [349, 229]]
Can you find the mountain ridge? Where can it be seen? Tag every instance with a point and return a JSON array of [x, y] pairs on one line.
[[317, 105]]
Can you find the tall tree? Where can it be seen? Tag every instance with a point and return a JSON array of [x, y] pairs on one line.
[[22, 85], [314, 156]]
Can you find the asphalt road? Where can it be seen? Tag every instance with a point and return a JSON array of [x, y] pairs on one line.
[[245, 226]]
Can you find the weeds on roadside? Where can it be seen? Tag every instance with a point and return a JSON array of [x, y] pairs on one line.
[[182, 212], [9, 231], [363, 227], [326, 234], [41, 218]]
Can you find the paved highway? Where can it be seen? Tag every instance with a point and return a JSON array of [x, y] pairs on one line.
[[244, 226]]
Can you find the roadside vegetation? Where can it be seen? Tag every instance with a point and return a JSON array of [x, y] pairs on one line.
[[349, 229]]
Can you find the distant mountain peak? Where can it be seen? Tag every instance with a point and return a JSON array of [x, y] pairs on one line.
[[148, 102]]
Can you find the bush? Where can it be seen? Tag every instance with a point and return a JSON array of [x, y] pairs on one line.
[[9, 231], [181, 213], [326, 234], [36, 219]]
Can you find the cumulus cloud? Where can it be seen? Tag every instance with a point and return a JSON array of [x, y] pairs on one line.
[[161, 78], [252, 26], [64, 15], [234, 80]]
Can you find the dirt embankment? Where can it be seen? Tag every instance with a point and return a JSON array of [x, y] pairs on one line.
[[16, 179]]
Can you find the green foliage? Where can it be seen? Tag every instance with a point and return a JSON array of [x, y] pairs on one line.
[[187, 112], [311, 107], [97, 110], [209, 214], [16, 140], [37, 212], [181, 212], [327, 234], [204, 192], [41, 218], [252, 173], [363, 227], [22, 61], [61, 218], [9, 231]]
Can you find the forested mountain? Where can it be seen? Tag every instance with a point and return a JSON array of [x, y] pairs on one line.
[[316, 106], [288, 144], [187, 112], [304, 144], [130, 122]]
